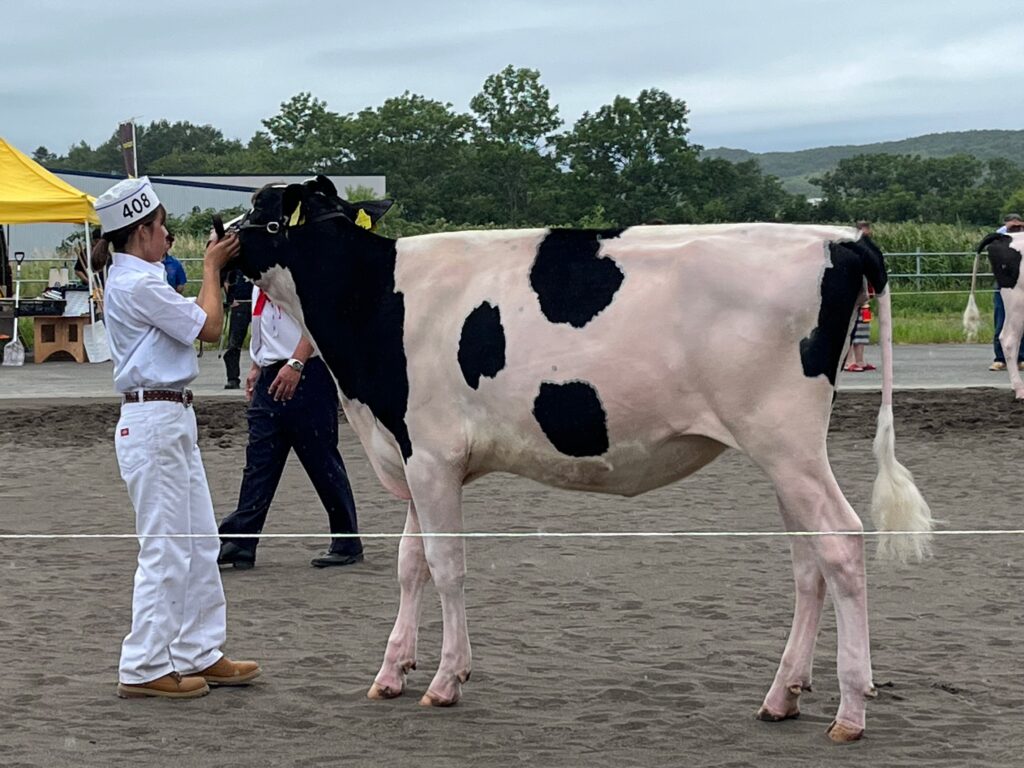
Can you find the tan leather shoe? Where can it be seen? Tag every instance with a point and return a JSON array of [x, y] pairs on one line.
[[228, 672], [172, 686]]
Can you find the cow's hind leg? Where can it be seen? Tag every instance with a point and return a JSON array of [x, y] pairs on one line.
[[812, 501], [1010, 337], [413, 574], [794, 675]]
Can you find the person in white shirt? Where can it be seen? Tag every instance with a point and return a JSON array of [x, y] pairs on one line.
[[293, 405], [178, 610]]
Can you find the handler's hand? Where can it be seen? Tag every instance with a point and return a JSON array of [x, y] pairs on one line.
[[220, 252], [284, 385], [250, 382]]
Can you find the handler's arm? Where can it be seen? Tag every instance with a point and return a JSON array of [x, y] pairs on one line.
[[303, 351], [218, 254]]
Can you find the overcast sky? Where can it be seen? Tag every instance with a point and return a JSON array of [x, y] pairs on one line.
[[772, 75]]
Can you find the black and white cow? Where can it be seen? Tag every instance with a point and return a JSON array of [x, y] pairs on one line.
[[612, 360], [1004, 254]]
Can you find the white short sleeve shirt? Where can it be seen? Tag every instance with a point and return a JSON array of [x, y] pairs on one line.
[[150, 327], [275, 335]]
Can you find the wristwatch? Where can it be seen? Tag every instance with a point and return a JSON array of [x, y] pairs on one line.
[[295, 364]]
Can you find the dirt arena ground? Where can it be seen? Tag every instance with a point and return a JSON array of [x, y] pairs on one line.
[[587, 652]]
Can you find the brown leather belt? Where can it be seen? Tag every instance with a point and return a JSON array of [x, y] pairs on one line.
[[183, 396]]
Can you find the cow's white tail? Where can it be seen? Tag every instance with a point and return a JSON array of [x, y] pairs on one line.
[[972, 318], [896, 504]]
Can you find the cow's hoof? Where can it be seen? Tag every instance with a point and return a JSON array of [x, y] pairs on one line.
[[431, 699], [783, 706], [841, 733], [769, 716], [378, 692]]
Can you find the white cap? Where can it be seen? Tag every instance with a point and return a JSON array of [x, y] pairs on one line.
[[125, 203]]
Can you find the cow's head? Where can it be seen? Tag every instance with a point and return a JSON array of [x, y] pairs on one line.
[[274, 232]]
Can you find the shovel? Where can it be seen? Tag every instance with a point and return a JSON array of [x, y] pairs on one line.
[[14, 352]]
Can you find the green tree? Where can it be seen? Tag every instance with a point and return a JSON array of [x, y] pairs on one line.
[[419, 143], [106, 158], [632, 157], [514, 108], [510, 176], [166, 147], [162, 147], [959, 188], [739, 192], [43, 156], [306, 136]]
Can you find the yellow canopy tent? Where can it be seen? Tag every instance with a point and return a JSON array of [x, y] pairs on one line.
[[30, 194]]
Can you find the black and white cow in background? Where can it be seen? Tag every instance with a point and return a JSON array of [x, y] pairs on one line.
[[1004, 254], [604, 360]]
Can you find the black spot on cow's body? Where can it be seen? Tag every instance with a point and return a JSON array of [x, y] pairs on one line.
[[1004, 258], [482, 344], [840, 287], [572, 417], [571, 281]]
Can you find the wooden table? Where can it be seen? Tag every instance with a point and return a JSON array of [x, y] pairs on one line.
[[59, 334]]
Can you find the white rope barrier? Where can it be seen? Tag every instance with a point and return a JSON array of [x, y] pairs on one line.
[[520, 534]]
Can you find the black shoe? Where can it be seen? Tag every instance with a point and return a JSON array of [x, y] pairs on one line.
[[335, 558], [232, 554], [233, 384]]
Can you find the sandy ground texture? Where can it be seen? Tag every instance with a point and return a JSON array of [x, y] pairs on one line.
[[589, 652]]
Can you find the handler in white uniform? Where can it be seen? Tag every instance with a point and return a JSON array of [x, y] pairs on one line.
[[178, 608]]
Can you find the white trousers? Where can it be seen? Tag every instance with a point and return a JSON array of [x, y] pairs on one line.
[[178, 608]]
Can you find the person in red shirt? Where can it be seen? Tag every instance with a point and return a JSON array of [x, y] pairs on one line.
[[861, 335]]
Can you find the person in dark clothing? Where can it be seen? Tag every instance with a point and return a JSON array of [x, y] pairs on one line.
[[238, 295], [1012, 222], [293, 405]]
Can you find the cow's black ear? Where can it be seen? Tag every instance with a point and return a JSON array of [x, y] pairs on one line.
[[293, 195], [989, 239], [322, 184], [375, 209]]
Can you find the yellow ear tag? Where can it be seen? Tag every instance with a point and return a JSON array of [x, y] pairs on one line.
[[363, 220], [296, 218]]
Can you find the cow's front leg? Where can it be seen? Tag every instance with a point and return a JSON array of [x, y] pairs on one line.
[[413, 574], [437, 493], [794, 675]]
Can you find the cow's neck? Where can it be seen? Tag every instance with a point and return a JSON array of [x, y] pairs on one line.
[[345, 286]]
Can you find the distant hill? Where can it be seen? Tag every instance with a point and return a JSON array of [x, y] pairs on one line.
[[795, 168]]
